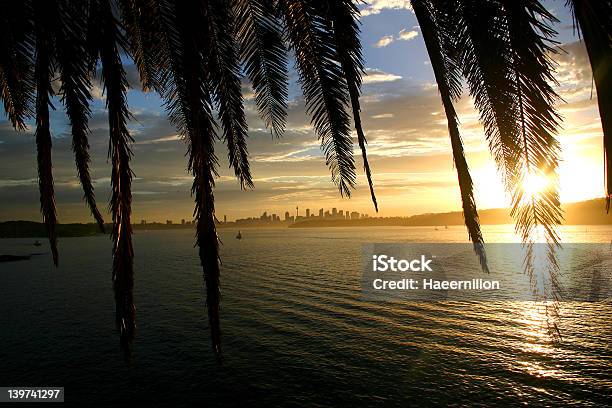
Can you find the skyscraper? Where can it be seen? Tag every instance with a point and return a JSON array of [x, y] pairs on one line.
[[308, 213]]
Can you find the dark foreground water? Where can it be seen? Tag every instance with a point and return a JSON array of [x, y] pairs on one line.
[[296, 330]]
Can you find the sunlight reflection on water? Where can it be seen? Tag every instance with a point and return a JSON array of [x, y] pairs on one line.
[[296, 330]]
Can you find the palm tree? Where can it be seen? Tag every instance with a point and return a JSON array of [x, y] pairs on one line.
[[194, 53]]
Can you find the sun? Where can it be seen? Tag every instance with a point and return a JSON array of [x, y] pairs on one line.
[[535, 184]]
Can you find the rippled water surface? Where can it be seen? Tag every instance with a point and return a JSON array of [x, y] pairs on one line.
[[296, 329]]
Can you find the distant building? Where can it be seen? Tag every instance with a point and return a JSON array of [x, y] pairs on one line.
[[308, 213], [334, 212], [143, 222], [168, 222], [354, 215], [183, 221], [287, 218], [320, 213], [224, 219], [341, 213], [327, 214]]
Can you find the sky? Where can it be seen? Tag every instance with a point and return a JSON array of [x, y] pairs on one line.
[[408, 144]]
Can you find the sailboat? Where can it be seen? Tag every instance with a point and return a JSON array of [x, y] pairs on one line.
[[239, 236]]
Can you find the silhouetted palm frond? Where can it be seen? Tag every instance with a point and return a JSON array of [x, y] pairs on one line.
[[75, 75], [594, 19], [17, 44], [484, 57], [45, 14], [537, 213], [264, 54], [141, 22], [447, 76], [505, 54], [343, 18], [109, 45], [324, 86], [226, 86], [189, 103]]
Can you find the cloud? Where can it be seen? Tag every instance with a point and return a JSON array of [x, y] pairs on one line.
[[574, 72], [384, 41], [17, 182], [405, 35], [163, 139], [376, 76], [376, 6], [383, 116], [299, 155]]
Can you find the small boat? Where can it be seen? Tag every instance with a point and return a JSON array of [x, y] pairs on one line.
[[239, 236], [37, 243]]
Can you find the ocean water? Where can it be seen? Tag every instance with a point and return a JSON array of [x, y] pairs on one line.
[[296, 329]]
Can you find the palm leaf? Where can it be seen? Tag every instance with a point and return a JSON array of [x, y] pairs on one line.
[[141, 21], [447, 76], [483, 53], [343, 21], [324, 86], [537, 213], [226, 85], [594, 19], [72, 56], [115, 84], [504, 53], [17, 62], [265, 59], [44, 15], [188, 101]]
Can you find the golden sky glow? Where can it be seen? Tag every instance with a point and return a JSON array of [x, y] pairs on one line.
[[409, 149]]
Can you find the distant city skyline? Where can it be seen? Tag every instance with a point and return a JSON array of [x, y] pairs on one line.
[[332, 213]]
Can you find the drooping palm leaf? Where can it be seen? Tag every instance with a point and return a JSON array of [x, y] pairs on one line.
[[484, 56], [538, 213], [141, 22], [504, 51], [189, 105], [265, 59], [73, 56], [447, 76], [226, 86], [113, 75], [17, 61], [594, 19], [343, 20], [324, 86], [45, 14]]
